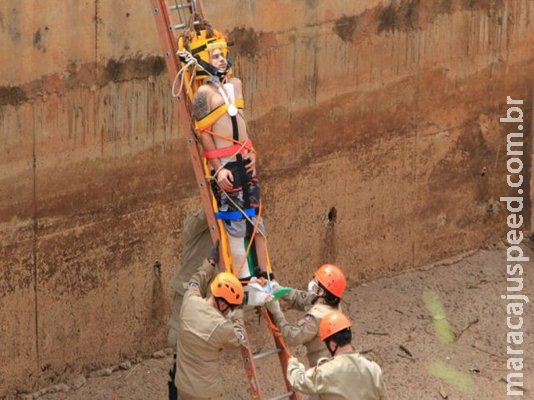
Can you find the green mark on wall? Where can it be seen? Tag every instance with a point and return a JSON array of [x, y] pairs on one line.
[[437, 311]]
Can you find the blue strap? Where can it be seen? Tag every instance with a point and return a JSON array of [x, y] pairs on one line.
[[235, 215]]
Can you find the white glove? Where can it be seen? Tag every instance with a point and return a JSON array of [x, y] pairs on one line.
[[257, 294], [274, 286]]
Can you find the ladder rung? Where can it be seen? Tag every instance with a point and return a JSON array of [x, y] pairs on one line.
[[266, 353], [181, 26], [283, 396], [178, 6]]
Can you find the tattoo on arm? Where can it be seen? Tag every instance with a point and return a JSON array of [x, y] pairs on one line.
[[200, 106]]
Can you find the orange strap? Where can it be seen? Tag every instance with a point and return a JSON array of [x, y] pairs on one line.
[[275, 330], [238, 148], [223, 137]]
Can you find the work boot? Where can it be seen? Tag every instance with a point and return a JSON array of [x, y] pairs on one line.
[[173, 390]]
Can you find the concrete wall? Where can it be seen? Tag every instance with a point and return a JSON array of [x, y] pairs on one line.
[[386, 111]]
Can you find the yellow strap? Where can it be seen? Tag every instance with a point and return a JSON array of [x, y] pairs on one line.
[[215, 114], [211, 118]]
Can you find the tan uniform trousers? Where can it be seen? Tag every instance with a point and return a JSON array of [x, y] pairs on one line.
[[347, 376], [197, 243], [185, 396]]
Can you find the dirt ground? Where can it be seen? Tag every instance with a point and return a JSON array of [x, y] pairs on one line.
[[438, 333]]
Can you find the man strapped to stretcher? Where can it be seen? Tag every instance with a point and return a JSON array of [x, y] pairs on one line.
[[220, 124]]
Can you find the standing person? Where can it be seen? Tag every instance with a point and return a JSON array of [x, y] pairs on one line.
[[220, 124], [346, 375], [207, 326], [324, 295], [196, 244]]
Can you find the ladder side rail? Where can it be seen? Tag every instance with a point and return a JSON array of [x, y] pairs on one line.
[[159, 8], [283, 354], [250, 369]]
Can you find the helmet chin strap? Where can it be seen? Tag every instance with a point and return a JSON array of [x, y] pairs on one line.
[[219, 301], [210, 69], [333, 353]]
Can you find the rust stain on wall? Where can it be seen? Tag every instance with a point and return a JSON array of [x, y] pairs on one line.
[[86, 75], [345, 27], [126, 70], [12, 22], [409, 15], [246, 42], [38, 39], [489, 6], [12, 95]]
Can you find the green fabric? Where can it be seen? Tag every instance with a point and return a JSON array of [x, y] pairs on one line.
[[250, 257], [281, 292]]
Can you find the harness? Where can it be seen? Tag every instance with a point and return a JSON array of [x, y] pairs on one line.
[[237, 149], [215, 114], [194, 48]]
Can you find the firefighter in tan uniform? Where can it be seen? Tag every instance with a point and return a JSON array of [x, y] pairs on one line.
[[197, 242], [346, 375], [207, 326], [324, 295]]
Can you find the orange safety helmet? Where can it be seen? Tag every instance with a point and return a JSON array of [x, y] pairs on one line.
[[332, 278], [226, 286], [332, 323]]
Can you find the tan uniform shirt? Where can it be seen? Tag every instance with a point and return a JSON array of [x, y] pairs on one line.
[[203, 332], [299, 299], [197, 244], [306, 330], [347, 376]]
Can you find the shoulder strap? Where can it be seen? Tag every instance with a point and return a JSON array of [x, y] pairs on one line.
[[215, 114]]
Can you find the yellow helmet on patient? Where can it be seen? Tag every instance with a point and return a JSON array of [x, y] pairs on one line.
[[199, 44]]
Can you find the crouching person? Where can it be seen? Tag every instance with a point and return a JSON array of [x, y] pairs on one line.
[[207, 325], [346, 375], [324, 295]]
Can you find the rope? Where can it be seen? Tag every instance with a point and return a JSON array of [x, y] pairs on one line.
[[251, 238], [245, 216], [227, 138], [222, 166], [242, 211], [190, 62], [275, 330]]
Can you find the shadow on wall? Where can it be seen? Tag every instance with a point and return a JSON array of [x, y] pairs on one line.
[[329, 249], [158, 312]]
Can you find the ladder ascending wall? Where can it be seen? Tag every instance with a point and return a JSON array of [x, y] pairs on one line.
[[172, 17]]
